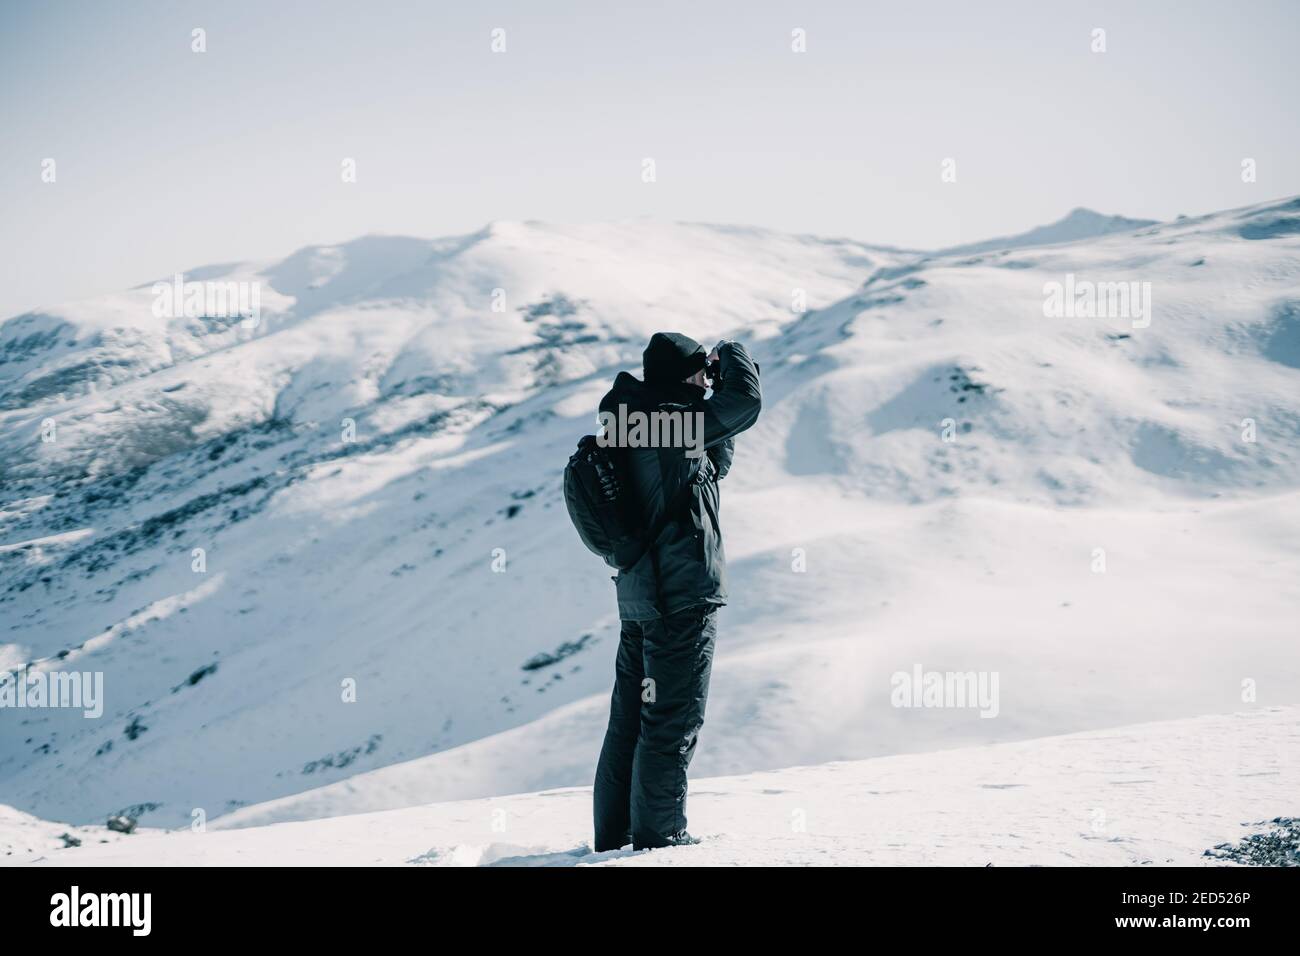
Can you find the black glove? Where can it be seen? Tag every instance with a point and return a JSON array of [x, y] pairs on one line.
[[714, 369]]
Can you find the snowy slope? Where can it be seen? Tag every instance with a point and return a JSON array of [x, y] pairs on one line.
[[373, 560], [24, 837], [1155, 794]]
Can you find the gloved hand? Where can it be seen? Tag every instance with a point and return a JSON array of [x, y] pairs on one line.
[[713, 368]]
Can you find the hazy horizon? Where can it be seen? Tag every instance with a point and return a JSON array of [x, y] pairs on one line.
[[169, 159]]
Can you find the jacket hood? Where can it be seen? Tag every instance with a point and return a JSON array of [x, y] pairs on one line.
[[636, 395], [671, 357]]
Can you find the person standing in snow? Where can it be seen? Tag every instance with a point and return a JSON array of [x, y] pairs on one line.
[[668, 601]]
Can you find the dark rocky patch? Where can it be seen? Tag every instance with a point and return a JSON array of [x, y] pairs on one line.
[[1277, 846], [197, 676], [343, 758], [120, 823], [547, 659], [557, 305]]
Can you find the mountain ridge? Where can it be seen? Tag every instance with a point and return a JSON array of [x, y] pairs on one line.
[[1078, 224]]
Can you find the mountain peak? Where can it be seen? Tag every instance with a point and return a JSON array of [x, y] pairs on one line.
[[1083, 212], [1079, 223]]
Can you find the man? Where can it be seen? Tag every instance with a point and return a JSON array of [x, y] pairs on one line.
[[668, 601]]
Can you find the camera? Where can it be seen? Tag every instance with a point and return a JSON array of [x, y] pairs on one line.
[[713, 370]]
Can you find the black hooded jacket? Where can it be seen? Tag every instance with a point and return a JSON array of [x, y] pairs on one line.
[[685, 566]]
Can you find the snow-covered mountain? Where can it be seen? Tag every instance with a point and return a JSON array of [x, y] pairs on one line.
[[371, 472], [1077, 224]]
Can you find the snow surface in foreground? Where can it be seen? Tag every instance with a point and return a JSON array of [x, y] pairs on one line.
[[1159, 794]]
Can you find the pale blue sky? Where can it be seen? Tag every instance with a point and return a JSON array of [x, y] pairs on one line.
[[168, 160]]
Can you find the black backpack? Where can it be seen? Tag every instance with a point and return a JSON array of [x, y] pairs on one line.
[[596, 496]]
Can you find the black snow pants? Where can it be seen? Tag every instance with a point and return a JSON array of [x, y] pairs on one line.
[[661, 683]]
